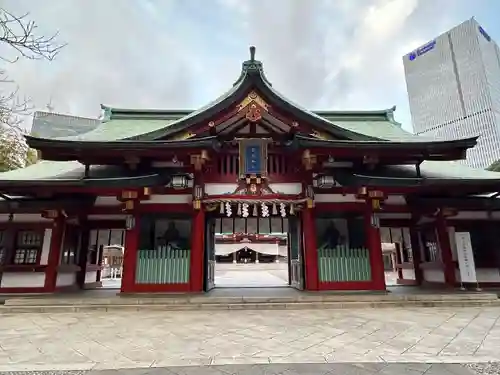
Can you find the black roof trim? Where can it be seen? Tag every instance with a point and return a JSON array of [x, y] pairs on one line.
[[39, 143], [365, 180], [429, 146], [122, 182]]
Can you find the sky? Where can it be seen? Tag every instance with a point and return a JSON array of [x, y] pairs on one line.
[[181, 54]]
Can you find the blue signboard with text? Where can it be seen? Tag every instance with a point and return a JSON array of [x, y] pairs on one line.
[[253, 159]]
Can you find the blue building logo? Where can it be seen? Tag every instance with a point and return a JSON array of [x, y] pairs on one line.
[[485, 34], [420, 51]]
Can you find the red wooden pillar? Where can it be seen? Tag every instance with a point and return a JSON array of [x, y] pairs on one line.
[[445, 248], [56, 243], [310, 250], [374, 245], [416, 255], [130, 256], [197, 250]]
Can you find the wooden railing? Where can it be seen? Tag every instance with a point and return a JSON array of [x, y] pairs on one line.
[[162, 266], [342, 264], [279, 167]]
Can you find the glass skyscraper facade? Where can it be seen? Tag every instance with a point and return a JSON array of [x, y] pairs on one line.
[[453, 86]]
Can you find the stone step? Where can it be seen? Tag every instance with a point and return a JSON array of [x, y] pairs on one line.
[[207, 299], [244, 306]]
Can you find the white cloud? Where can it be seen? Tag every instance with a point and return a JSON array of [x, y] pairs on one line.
[[155, 53]]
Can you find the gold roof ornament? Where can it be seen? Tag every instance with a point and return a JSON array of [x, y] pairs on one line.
[[253, 98]]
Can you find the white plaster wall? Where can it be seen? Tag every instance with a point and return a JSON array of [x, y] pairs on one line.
[[398, 200], [433, 275], [90, 277], [219, 189], [408, 274], [471, 215], [286, 188], [25, 218], [106, 201], [336, 198], [23, 280], [66, 279], [168, 198], [47, 236]]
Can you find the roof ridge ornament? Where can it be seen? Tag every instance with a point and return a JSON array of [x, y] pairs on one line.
[[252, 53], [251, 67]]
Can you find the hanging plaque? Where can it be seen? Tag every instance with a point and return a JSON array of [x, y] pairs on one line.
[[253, 157]]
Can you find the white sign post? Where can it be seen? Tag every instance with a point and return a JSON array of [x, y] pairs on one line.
[[465, 257]]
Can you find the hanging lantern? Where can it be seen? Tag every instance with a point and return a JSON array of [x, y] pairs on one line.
[[221, 208], [292, 209], [179, 182], [239, 209], [275, 209], [254, 213]]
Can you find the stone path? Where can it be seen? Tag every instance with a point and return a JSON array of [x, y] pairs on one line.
[[161, 339]]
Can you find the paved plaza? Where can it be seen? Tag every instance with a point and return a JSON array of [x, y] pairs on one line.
[[229, 275], [247, 276], [99, 340]]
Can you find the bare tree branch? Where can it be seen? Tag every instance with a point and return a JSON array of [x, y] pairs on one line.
[[19, 32]]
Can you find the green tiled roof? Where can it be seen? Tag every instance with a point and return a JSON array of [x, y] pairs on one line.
[[113, 130], [453, 169], [44, 169], [386, 130]]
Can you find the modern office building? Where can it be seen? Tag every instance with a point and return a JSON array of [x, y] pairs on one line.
[[55, 125], [453, 86]]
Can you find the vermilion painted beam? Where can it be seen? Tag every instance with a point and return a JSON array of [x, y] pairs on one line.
[[374, 245], [56, 246], [310, 250], [130, 256], [197, 251]]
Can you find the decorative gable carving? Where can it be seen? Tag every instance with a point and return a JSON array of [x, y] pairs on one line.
[[253, 104]]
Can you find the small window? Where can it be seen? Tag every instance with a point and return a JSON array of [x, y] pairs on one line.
[[28, 247], [26, 256]]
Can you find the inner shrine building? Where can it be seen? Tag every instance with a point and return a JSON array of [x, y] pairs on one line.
[[163, 183]]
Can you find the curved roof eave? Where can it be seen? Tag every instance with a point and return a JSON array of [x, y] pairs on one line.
[[119, 144], [463, 142]]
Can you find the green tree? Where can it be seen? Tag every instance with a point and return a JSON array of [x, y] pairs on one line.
[[494, 167], [14, 152]]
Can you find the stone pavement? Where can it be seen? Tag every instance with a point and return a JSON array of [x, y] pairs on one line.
[[289, 369], [84, 341], [251, 275]]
